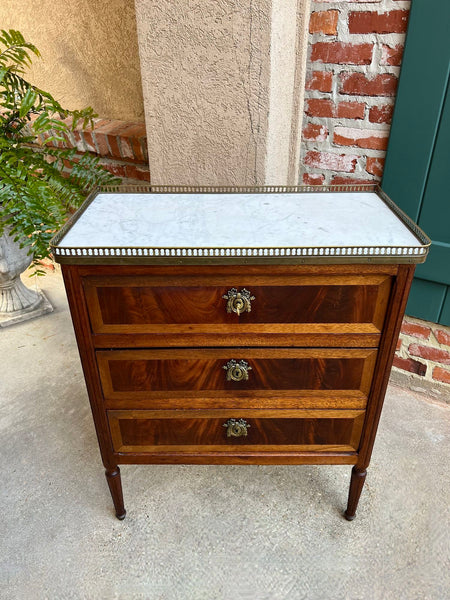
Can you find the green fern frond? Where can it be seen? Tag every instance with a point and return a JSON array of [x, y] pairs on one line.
[[39, 184]]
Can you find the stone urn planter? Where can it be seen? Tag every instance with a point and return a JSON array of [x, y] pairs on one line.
[[17, 302]]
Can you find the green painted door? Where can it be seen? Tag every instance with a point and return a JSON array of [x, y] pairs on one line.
[[417, 169]]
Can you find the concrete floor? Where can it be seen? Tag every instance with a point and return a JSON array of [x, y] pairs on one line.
[[205, 532]]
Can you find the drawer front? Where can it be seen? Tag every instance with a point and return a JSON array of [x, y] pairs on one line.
[[319, 304], [237, 377], [257, 430]]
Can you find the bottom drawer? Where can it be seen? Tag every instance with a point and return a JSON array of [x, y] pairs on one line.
[[219, 430]]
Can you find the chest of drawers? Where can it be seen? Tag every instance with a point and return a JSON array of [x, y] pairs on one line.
[[237, 327]]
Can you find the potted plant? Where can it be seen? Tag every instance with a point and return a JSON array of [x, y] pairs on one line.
[[40, 184]]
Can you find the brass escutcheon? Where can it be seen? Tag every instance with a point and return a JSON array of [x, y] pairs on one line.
[[238, 302], [237, 371], [236, 428]]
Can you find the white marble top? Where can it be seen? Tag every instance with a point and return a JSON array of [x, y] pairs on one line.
[[238, 220]]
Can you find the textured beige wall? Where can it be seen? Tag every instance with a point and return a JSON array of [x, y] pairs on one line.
[[206, 72], [288, 49], [205, 88], [89, 49]]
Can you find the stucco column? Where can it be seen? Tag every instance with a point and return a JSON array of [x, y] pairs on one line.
[[223, 88]]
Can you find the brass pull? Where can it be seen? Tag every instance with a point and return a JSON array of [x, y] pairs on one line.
[[236, 428], [237, 371], [238, 302]]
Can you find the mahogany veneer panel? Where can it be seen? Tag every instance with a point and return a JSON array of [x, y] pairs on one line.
[[278, 377], [140, 431], [309, 303]]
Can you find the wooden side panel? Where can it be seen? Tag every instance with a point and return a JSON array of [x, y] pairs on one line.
[[383, 365], [81, 326], [197, 377], [146, 431]]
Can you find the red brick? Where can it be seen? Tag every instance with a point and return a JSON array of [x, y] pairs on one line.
[[324, 21], [339, 52], [362, 138], [90, 136], [381, 114], [339, 180], [119, 139], [384, 84], [100, 122], [313, 179], [110, 130], [375, 165], [137, 172], [394, 21], [441, 374], [89, 141], [136, 130], [77, 157], [133, 135], [399, 345], [320, 80], [79, 141], [333, 162], [45, 139], [102, 144], [443, 337], [391, 55], [351, 110], [319, 107], [315, 132], [69, 163], [101, 128], [114, 146], [416, 330], [429, 353], [115, 169], [322, 107], [69, 139], [410, 365], [123, 139], [126, 149]]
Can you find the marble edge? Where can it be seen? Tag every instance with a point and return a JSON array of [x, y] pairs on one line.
[[304, 255], [287, 255]]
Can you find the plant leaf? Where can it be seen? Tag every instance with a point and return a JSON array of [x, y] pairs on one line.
[[27, 102]]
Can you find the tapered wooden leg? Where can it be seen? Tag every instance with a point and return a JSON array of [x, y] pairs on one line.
[[115, 487], [356, 486]]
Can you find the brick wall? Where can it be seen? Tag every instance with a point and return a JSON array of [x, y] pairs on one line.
[[423, 352], [121, 146], [355, 51], [354, 58]]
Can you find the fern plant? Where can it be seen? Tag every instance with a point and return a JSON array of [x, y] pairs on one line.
[[36, 195]]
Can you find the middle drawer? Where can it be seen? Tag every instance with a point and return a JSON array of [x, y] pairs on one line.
[[237, 377]]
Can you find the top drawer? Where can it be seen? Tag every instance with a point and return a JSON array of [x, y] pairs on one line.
[[239, 304]]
